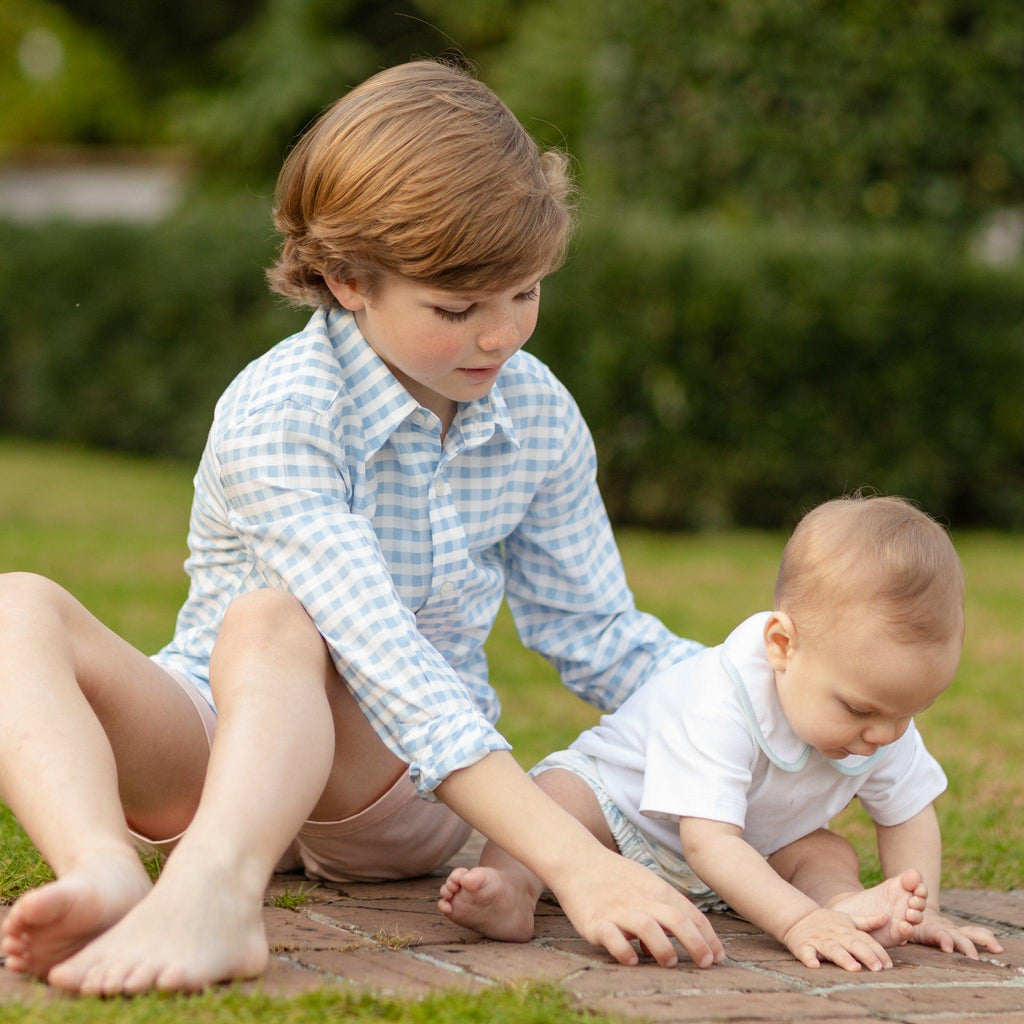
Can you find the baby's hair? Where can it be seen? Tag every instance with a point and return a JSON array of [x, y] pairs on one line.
[[879, 550], [423, 172]]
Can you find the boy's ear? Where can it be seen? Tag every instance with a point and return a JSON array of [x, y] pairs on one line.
[[347, 292], [779, 640]]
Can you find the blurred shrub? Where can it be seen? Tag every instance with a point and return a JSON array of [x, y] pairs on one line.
[[736, 375], [125, 337], [731, 375]]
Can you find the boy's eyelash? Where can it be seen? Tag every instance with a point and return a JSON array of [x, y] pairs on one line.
[[453, 315], [856, 713], [457, 316]]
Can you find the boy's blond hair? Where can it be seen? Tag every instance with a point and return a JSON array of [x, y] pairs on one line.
[[881, 551], [419, 171]]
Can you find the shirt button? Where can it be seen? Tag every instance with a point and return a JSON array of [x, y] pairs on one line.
[[419, 417], [447, 589], [441, 487]]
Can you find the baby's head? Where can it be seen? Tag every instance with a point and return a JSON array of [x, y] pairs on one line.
[[868, 622], [420, 171]]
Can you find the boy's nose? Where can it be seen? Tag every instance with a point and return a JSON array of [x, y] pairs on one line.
[[501, 333]]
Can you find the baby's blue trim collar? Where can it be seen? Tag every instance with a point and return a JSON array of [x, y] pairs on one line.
[[755, 728]]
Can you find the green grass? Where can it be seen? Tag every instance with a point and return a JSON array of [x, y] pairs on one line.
[[112, 530], [533, 1004]]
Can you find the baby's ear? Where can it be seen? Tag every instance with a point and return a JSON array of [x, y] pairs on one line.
[[779, 640]]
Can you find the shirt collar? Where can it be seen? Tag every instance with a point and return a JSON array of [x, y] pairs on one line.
[[476, 422], [744, 660], [383, 401]]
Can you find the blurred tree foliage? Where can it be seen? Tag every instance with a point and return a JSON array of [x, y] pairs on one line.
[[860, 111], [61, 82]]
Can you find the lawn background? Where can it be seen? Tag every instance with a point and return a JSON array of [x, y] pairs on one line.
[[111, 529]]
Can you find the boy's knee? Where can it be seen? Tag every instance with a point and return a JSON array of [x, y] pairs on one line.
[[272, 618], [29, 593]]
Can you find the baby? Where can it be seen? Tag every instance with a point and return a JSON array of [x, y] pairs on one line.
[[709, 771]]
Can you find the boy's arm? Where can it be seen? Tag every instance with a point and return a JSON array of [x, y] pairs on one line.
[[742, 877], [608, 898], [917, 843], [566, 586]]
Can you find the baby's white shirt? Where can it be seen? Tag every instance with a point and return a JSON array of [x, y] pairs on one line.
[[706, 738]]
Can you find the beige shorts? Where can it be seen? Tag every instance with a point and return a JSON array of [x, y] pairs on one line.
[[401, 835]]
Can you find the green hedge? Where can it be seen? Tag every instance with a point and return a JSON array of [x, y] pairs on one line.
[[731, 374], [735, 375], [125, 337]]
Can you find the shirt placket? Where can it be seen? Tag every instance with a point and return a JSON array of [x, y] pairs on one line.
[[450, 548]]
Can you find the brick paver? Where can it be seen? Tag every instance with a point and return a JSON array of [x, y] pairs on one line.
[[389, 938]]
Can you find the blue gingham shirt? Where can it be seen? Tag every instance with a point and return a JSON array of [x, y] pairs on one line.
[[323, 476]]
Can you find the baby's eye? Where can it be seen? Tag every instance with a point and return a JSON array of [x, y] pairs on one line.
[[452, 315], [856, 712]]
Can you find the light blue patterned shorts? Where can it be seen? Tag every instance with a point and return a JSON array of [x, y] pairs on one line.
[[632, 841]]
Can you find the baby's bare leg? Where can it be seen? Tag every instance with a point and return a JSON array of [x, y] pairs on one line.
[[290, 740], [824, 866], [91, 731], [498, 897]]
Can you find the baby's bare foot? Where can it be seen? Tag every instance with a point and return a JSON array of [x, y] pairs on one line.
[[195, 928], [490, 902], [902, 897], [56, 920]]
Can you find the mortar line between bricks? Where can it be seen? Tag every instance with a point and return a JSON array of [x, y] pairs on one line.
[[453, 968], [314, 969], [891, 986], [312, 915]]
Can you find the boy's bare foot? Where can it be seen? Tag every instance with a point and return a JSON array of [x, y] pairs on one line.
[[490, 902], [903, 897], [194, 928], [56, 920]]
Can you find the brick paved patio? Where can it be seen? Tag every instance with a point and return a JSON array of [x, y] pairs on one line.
[[389, 938]]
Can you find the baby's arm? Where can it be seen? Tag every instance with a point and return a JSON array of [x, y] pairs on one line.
[[742, 877], [917, 843]]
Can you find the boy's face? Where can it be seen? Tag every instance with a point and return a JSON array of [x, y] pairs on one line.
[[855, 688], [445, 347]]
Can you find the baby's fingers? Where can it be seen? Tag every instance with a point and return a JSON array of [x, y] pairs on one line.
[[980, 937], [850, 954], [870, 923]]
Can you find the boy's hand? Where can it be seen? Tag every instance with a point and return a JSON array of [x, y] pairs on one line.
[[836, 937], [611, 900], [950, 935]]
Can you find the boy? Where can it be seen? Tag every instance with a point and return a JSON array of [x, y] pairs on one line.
[[711, 770], [371, 488]]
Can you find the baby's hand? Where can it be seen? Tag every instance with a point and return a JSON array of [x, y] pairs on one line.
[[949, 935], [834, 936]]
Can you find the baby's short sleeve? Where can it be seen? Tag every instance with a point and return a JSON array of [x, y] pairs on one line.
[[700, 754]]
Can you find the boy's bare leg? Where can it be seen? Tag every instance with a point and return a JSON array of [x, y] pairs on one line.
[[498, 897], [288, 735], [90, 731], [824, 866]]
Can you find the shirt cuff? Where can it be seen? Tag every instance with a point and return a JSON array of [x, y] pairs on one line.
[[446, 743]]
